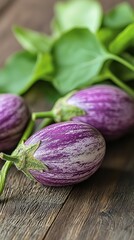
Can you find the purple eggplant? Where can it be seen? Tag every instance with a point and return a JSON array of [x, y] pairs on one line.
[[61, 154], [106, 107], [14, 116]]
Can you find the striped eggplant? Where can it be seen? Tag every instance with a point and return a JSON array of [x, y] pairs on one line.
[[61, 154], [106, 107], [14, 116]]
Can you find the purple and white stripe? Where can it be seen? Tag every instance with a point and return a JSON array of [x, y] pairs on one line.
[[14, 115], [72, 151], [108, 108]]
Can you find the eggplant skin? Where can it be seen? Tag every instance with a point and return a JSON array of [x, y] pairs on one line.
[[107, 108], [14, 116], [72, 152]]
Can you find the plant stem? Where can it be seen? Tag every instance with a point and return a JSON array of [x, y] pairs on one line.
[[37, 115], [121, 84], [5, 169], [28, 131], [122, 61], [8, 158], [3, 175]]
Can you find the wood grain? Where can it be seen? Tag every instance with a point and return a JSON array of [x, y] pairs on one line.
[[4, 4], [101, 208], [28, 209], [28, 13]]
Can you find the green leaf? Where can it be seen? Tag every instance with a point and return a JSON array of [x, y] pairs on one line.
[[78, 58], [22, 70], [77, 13], [119, 17], [32, 41], [16, 73], [124, 40], [44, 67]]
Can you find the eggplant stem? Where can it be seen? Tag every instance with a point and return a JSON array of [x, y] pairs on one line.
[[37, 115], [3, 175], [8, 158], [6, 167]]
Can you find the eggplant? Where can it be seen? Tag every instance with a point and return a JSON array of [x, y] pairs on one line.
[[14, 116], [105, 107], [60, 154]]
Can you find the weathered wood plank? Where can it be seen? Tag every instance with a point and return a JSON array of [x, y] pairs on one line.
[[31, 14], [28, 209], [4, 4], [101, 208]]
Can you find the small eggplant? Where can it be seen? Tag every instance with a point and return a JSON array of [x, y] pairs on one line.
[[105, 107], [61, 154], [14, 116]]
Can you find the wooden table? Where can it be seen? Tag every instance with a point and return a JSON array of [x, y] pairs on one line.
[[101, 208]]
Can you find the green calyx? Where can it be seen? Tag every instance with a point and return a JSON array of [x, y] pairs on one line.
[[24, 160], [63, 111]]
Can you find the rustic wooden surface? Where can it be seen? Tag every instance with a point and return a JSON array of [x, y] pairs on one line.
[[101, 208]]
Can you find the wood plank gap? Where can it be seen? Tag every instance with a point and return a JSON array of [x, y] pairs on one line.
[[102, 207], [27, 209], [49, 229]]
